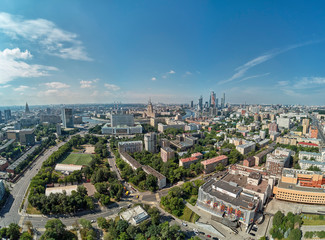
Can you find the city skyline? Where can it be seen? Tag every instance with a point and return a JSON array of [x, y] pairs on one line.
[[173, 52]]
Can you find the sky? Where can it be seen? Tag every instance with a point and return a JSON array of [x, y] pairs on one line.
[[78, 51]]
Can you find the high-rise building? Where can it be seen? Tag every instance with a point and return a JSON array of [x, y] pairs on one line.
[[67, 118], [0, 117], [223, 100], [305, 125], [313, 131], [150, 142], [122, 120], [192, 104], [27, 109], [217, 103], [200, 106], [7, 114], [58, 129], [213, 99]]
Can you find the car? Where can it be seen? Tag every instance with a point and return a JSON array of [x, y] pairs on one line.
[[93, 221], [184, 224], [208, 236], [253, 234], [196, 233], [215, 238]]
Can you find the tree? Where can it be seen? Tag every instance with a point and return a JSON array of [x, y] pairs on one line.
[[13, 231], [122, 225], [220, 167], [26, 236], [55, 229], [151, 183], [295, 234], [85, 223], [102, 223], [278, 218]]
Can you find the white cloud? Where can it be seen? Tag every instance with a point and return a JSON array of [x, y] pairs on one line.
[[12, 66], [153, 79], [57, 85], [21, 88], [112, 87], [53, 40], [5, 86], [254, 76], [283, 83], [89, 83], [241, 70], [171, 72], [309, 82]]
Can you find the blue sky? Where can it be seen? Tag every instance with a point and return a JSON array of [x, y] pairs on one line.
[[73, 51]]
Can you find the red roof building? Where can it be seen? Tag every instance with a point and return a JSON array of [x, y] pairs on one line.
[[186, 162], [210, 164]]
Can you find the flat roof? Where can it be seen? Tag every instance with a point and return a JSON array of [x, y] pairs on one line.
[[189, 159], [54, 190], [167, 149], [292, 186], [245, 200]]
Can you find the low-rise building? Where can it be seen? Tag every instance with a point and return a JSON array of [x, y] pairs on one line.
[[3, 164], [198, 155], [211, 164], [186, 162], [305, 164], [134, 215], [161, 179], [246, 148], [130, 146], [134, 164], [301, 186], [67, 168], [311, 156]]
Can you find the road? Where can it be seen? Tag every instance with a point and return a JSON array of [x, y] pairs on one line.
[[9, 212]]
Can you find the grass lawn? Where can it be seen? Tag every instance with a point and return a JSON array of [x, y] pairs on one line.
[[189, 215], [311, 219], [78, 159], [31, 210]]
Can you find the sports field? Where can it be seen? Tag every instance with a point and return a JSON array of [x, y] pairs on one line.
[[78, 159]]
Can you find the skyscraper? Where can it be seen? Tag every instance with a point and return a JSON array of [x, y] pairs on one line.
[[200, 106], [7, 114], [150, 142], [27, 109], [192, 104], [223, 100], [67, 118], [305, 125], [0, 117]]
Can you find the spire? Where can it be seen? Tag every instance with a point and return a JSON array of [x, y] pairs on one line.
[[27, 108]]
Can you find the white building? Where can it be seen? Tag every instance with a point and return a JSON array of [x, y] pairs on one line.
[[283, 122], [246, 148], [150, 142], [134, 215], [130, 146]]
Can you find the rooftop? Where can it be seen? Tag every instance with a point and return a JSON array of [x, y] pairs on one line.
[[215, 159], [189, 159], [167, 149]]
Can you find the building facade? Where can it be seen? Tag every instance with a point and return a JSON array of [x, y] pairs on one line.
[[67, 118], [150, 142]]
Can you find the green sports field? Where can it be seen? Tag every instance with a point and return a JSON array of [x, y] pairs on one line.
[[78, 159]]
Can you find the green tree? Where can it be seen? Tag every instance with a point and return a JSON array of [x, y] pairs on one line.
[[295, 234], [26, 236], [278, 218], [13, 231], [102, 223]]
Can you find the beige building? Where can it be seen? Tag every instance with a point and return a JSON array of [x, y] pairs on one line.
[[166, 153], [305, 125]]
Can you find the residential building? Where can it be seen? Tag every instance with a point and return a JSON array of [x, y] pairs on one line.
[[7, 114], [283, 122], [130, 146], [301, 186], [211, 164], [166, 153], [273, 127], [198, 155], [287, 140], [150, 142], [246, 148], [313, 131], [186, 162], [306, 164], [276, 161], [2, 189], [305, 126], [12, 168], [312, 156], [3, 164], [67, 118], [161, 179]]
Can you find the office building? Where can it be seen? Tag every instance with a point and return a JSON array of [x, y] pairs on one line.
[[67, 118], [0, 117], [305, 125], [228, 200], [122, 124], [27, 109], [166, 153], [283, 122], [122, 120], [200, 105], [50, 118], [192, 105], [150, 142], [7, 114], [301, 186]]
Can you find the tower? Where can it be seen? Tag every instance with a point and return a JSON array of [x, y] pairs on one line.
[[200, 106], [150, 107], [150, 142], [27, 109], [67, 118]]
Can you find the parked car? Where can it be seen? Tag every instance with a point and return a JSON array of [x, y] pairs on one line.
[[208, 236], [184, 224]]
